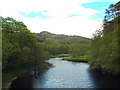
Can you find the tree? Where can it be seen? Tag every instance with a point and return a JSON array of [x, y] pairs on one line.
[[112, 12], [77, 50], [20, 47], [104, 52]]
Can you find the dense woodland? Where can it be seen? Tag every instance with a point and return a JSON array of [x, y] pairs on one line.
[[20, 47], [104, 51]]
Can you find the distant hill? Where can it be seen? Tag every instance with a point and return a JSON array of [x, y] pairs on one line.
[[62, 38], [57, 44]]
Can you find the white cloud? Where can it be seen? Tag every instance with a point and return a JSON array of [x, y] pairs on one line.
[[106, 0], [71, 26], [59, 10]]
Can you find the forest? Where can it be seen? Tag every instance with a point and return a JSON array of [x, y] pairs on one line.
[[23, 49], [20, 47]]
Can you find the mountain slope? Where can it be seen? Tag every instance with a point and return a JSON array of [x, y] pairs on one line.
[[64, 44], [63, 38]]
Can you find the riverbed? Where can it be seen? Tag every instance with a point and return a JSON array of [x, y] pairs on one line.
[[65, 74]]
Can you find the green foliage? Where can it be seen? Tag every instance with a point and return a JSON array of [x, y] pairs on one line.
[[54, 48], [77, 50], [20, 47], [104, 53], [60, 55], [104, 49], [64, 44], [79, 59]]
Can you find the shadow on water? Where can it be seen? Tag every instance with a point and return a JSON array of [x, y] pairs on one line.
[[27, 80], [101, 80]]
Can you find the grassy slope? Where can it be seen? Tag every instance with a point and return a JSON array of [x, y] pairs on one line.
[[8, 76]]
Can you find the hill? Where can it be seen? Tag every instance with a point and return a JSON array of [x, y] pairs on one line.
[[64, 44], [62, 37]]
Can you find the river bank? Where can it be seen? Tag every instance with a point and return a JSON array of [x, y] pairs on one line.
[[86, 60], [9, 76], [59, 55], [77, 59]]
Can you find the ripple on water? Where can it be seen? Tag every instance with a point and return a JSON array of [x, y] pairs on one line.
[[67, 74]]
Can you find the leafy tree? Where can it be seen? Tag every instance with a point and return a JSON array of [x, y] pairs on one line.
[[112, 12], [104, 53], [77, 50], [20, 47]]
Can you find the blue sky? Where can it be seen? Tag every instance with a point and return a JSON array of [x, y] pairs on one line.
[[36, 14], [100, 6], [71, 17]]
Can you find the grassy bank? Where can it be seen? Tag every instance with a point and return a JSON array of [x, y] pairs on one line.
[[60, 55], [78, 59], [8, 76]]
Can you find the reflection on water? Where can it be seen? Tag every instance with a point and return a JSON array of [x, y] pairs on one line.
[[65, 74]]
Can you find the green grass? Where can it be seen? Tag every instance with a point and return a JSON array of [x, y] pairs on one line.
[[77, 59], [8, 76], [60, 55]]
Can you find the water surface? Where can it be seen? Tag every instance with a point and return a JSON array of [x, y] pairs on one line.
[[66, 74]]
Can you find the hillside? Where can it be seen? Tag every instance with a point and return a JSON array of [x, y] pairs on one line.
[[61, 37], [64, 44]]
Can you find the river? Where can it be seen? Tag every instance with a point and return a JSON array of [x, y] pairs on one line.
[[65, 74]]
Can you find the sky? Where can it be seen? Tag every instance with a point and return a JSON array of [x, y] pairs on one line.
[[70, 17]]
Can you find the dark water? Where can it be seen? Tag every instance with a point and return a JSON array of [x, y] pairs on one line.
[[66, 74]]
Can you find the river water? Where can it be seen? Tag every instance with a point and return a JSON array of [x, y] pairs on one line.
[[66, 74]]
